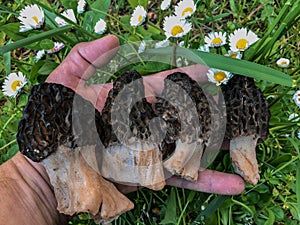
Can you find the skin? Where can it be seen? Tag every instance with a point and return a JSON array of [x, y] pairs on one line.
[[26, 193]]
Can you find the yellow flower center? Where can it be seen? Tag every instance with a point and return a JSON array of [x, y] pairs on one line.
[[176, 30], [233, 55], [219, 76], [242, 44], [140, 18], [187, 10], [36, 20], [216, 41], [283, 63], [16, 84]]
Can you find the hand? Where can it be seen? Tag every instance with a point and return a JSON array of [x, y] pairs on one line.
[[80, 65], [26, 193]]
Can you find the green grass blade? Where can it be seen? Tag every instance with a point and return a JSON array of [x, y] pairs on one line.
[[235, 66], [32, 39], [211, 208], [298, 185]]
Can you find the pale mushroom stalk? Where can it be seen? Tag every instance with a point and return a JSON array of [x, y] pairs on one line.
[[247, 123], [185, 109], [58, 129], [243, 157], [185, 161], [132, 155]]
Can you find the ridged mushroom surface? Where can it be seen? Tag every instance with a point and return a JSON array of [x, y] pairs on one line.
[[58, 129], [247, 123], [185, 109], [132, 154]]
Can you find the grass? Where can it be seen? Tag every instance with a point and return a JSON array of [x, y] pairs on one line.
[[276, 198]]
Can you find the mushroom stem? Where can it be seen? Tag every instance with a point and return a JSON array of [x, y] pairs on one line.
[[137, 164], [79, 187], [243, 156], [186, 160]]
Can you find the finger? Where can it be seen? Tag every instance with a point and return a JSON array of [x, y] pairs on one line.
[[154, 84], [211, 182]]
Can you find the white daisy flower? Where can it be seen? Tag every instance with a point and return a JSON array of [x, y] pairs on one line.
[[31, 17], [57, 47], [283, 62], [138, 16], [176, 27], [215, 39], [185, 8], [234, 55], [179, 62], [294, 117], [296, 98], [142, 47], [203, 48], [100, 26], [218, 76], [162, 44], [80, 6], [165, 4], [13, 84], [39, 55], [241, 39], [69, 13]]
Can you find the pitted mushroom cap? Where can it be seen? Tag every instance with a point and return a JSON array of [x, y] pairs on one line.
[[247, 109], [50, 120], [170, 113], [126, 100]]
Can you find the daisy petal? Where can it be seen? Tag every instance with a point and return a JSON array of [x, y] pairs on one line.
[[13, 84]]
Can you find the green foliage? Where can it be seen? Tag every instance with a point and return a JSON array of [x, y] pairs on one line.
[[276, 198]]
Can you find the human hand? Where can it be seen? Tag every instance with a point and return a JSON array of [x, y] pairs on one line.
[[80, 65], [26, 193]]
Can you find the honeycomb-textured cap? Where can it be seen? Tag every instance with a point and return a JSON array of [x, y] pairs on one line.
[[53, 116], [180, 96], [247, 108], [126, 111]]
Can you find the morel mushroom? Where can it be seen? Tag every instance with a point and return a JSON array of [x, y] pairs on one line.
[[247, 123], [132, 155], [185, 109], [58, 129]]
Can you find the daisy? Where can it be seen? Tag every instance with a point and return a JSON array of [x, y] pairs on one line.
[[39, 55], [294, 117], [138, 16], [13, 83], [69, 13], [241, 39], [203, 48], [142, 47], [162, 44], [176, 27], [80, 6], [100, 27], [296, 98], [218, 76], [234, 55], [165, 4], [57, 47], [31, 17], [215, 39], [283, 62], [185, 8]]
